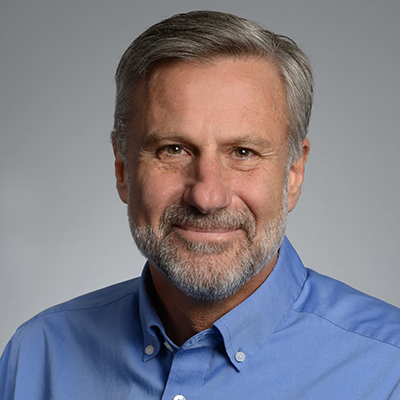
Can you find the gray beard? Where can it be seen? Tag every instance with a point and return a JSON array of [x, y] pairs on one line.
[[210, 271]]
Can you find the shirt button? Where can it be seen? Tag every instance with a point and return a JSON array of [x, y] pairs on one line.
[[169, 347], [240, 356], [149, 350], [179, 397]]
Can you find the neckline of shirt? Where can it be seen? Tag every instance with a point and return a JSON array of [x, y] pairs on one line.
[[245, 328]]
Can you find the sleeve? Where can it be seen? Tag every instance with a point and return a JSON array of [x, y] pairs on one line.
[[23, 374], [6, 382]]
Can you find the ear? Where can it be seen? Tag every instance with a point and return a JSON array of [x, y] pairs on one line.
[[296, 175], [120, 171]]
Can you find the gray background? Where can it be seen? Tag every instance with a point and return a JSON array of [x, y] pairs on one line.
[[63, 228]]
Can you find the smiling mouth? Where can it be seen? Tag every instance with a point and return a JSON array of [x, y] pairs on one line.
[[206, 233]]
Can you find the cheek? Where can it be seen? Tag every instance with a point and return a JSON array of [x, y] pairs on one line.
[[151, 193], [262, 194]]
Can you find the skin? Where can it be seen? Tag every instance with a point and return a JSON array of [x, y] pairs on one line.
[[212, 136]]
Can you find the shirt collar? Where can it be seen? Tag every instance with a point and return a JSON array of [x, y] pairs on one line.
[[152, 326], [249, 325]]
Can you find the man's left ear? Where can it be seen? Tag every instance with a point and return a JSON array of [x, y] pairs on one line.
[[296, 175]]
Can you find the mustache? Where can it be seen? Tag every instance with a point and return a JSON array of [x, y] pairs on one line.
[[187, 215]]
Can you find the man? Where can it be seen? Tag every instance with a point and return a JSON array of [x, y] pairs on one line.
[[210, 147]]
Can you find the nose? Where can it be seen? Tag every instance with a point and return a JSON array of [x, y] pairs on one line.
[[208, 189]]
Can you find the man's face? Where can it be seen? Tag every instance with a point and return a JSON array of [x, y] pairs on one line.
[[206, 178]]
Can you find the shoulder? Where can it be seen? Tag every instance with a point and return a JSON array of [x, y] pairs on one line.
[[99, 318], [349, 309], [104, 301], [70, 337]]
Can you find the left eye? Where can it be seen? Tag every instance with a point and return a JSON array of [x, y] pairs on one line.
[[242, 152]]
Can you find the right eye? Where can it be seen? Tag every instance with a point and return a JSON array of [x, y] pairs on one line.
[[173, 149]]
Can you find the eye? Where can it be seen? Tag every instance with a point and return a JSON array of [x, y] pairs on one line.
[[174, 149], [242, 152]]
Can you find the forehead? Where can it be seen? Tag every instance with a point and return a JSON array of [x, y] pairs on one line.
[[245, 93]]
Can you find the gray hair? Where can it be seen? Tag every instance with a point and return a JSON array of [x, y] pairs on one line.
[[200, 36]]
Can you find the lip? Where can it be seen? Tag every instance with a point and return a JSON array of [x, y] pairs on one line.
[[197, 233]]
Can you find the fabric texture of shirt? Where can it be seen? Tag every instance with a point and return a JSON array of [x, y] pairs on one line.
[[301, 335]]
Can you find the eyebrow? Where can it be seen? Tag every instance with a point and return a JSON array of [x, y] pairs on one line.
[[252, 140], [155, 138]]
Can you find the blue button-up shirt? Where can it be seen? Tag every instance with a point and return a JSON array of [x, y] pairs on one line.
[[301, 335]]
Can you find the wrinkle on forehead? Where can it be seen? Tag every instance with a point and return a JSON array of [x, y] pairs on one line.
[[181, 88], [168, 72]]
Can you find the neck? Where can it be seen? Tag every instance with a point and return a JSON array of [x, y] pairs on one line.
[[183, 316]]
